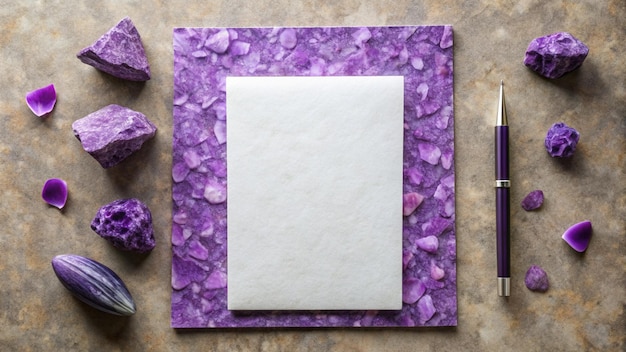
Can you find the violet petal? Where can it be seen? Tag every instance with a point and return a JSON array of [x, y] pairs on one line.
[[54, 192], [41, 101], [533, 200], [536, 279], [578, 236], [561, 140]]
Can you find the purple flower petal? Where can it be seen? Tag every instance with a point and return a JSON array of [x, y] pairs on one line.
[[533, 200], [578, 236], [536, 279], [41, 101], [54, 192]]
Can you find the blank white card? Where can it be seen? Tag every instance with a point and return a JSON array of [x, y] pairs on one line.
[[314, 192]]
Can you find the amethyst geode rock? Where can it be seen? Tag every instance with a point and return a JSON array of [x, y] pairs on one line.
[[555, 54], [561, 140], [126, 224], [113, 133], [119, 52]]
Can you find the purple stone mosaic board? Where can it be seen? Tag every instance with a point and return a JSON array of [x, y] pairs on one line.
[[204, 57]]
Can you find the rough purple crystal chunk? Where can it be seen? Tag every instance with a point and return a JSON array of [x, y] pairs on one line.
[[113, 133], [578, 236], [555, 54], [536, 279], [126, 224], [119, 52], [533, 200], [561, 140]]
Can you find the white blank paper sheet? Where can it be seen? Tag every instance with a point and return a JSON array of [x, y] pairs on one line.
[[314, 204]]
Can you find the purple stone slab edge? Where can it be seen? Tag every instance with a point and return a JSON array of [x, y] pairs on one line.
[[204, 57]]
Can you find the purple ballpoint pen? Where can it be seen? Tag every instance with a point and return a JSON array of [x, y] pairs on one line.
[[503, 198]]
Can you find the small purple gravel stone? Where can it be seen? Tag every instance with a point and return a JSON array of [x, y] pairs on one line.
[[561, 140], [126, 224], [113, 133], [54, 192], [536, 279], [533, 200], [119, 52], [556, 54]]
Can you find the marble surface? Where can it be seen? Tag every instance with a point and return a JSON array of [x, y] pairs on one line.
[[584, 308]]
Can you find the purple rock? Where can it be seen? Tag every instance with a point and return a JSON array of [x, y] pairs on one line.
[[561, 140], [536, 279], [119, 52], [113, 133], [126, 224], [555, 54], [533, 200]]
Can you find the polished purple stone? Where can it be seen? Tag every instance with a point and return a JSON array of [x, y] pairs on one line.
[[578, 236], [113, 133], [536, 279], [119, 52], [126, 224], [555, 54]]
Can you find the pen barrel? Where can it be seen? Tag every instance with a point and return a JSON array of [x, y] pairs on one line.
[[502, 152], [503, 201], [503, 228]]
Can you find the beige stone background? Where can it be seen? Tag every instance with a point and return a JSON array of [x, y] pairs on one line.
[[584, 308]]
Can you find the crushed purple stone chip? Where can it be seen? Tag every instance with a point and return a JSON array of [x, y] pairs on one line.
[[536, 279], [203, 57], [412, 290], [54, 192], [426, 308], [41, 101], [410, 202], [126, 224], [113, 133], [533, 200], [578, 236], [119, 52], [561, 140], [555, 54]]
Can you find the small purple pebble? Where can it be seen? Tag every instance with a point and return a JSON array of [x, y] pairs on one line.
[[533, 200], [54, 192], [561, 140], [41, 101], [412, 290], [578, 236], [555, 54], [536, 279], [126, 224]]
